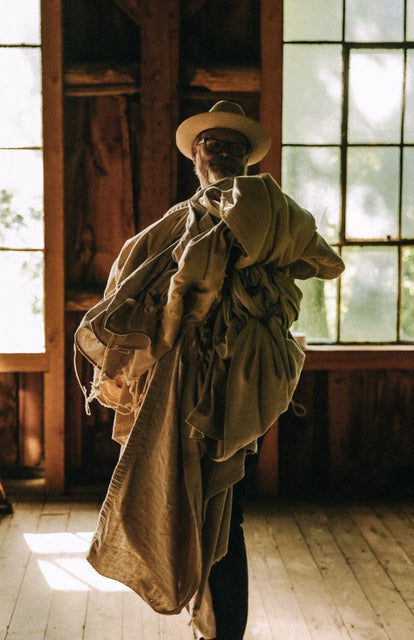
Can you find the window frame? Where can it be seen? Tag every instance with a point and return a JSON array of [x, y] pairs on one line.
[[343, 148], [37, 360], [318, 357], [51, 362]]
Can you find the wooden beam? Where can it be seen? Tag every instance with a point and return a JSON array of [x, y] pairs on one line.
[[272, 73], [88, 90], [99, 79], [223, 79], [54, 379], [160, 22], [271, 38], [132, 8], [19, 362], [81, 301]]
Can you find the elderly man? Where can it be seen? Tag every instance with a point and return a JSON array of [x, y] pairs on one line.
[[191, 347]]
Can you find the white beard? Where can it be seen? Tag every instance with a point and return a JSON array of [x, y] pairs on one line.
[[218, 173], [210, 173]]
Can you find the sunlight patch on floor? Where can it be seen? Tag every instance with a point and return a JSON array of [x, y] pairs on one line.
[[61, 558]]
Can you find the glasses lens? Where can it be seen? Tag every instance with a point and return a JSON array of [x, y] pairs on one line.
[[213, 146], [237, 149]]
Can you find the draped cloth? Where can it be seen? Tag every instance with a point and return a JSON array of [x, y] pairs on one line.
[[191, 347]]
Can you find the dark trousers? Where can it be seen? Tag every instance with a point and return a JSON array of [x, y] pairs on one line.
[[229, 577]]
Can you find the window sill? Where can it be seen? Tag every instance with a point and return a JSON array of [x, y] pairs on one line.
[[21, 362], [336, 357]]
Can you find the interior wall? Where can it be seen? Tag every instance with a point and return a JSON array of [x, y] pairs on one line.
[[357, 432]]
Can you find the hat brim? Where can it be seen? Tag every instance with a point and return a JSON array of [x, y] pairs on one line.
[[255, 133]]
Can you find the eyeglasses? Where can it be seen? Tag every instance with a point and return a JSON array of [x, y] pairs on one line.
[[236, 149]]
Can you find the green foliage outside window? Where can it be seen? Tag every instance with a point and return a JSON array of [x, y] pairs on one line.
[[348, 157]]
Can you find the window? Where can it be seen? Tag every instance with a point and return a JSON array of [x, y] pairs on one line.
[[348, 156], [21, 180]]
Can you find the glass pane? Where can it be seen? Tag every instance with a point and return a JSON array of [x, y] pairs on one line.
[[407, 223], [20, 105], [311, 177], [20, 22], [375, 96], [409, 99], [21, 295], [318, 314], [21, 199], [312, 19], [374, 20], [312, 92], [407, 294], [369, 294], [410, 20], [372, 193]]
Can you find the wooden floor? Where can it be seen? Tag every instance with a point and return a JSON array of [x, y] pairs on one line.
[[317, 572]]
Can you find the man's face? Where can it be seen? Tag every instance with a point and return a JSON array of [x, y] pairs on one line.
[[211, 163]]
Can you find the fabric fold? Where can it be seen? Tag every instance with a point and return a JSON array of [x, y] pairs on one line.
[[191, 348]]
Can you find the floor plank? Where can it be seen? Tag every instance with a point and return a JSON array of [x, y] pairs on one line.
[[396, 518], [274, 609], [14, 559], [385, 599], [315, 600], [60, 626], [316, 572], [31, 613], [354, 608], [392, 557]]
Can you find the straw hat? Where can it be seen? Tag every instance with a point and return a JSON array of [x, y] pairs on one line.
[[224, 115]]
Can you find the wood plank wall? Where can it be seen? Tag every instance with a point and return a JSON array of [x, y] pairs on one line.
[[132, 70]]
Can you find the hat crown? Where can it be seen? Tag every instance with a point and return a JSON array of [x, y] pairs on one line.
[[224, 115], [227, 107]]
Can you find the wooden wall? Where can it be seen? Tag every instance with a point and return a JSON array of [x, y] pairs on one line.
[[132, 71], [355, 439]]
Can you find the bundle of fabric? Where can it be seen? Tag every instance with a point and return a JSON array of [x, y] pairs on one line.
[[191, 348]]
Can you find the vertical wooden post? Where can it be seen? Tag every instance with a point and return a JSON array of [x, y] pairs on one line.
[[160, 21], [267, 475], [54, 380], [271, 26], [30, 418], [272, 82]]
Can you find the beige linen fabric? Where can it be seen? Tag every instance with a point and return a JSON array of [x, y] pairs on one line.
[[191, 347]]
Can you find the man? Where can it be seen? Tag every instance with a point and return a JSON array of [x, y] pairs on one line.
[[191, 347]]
